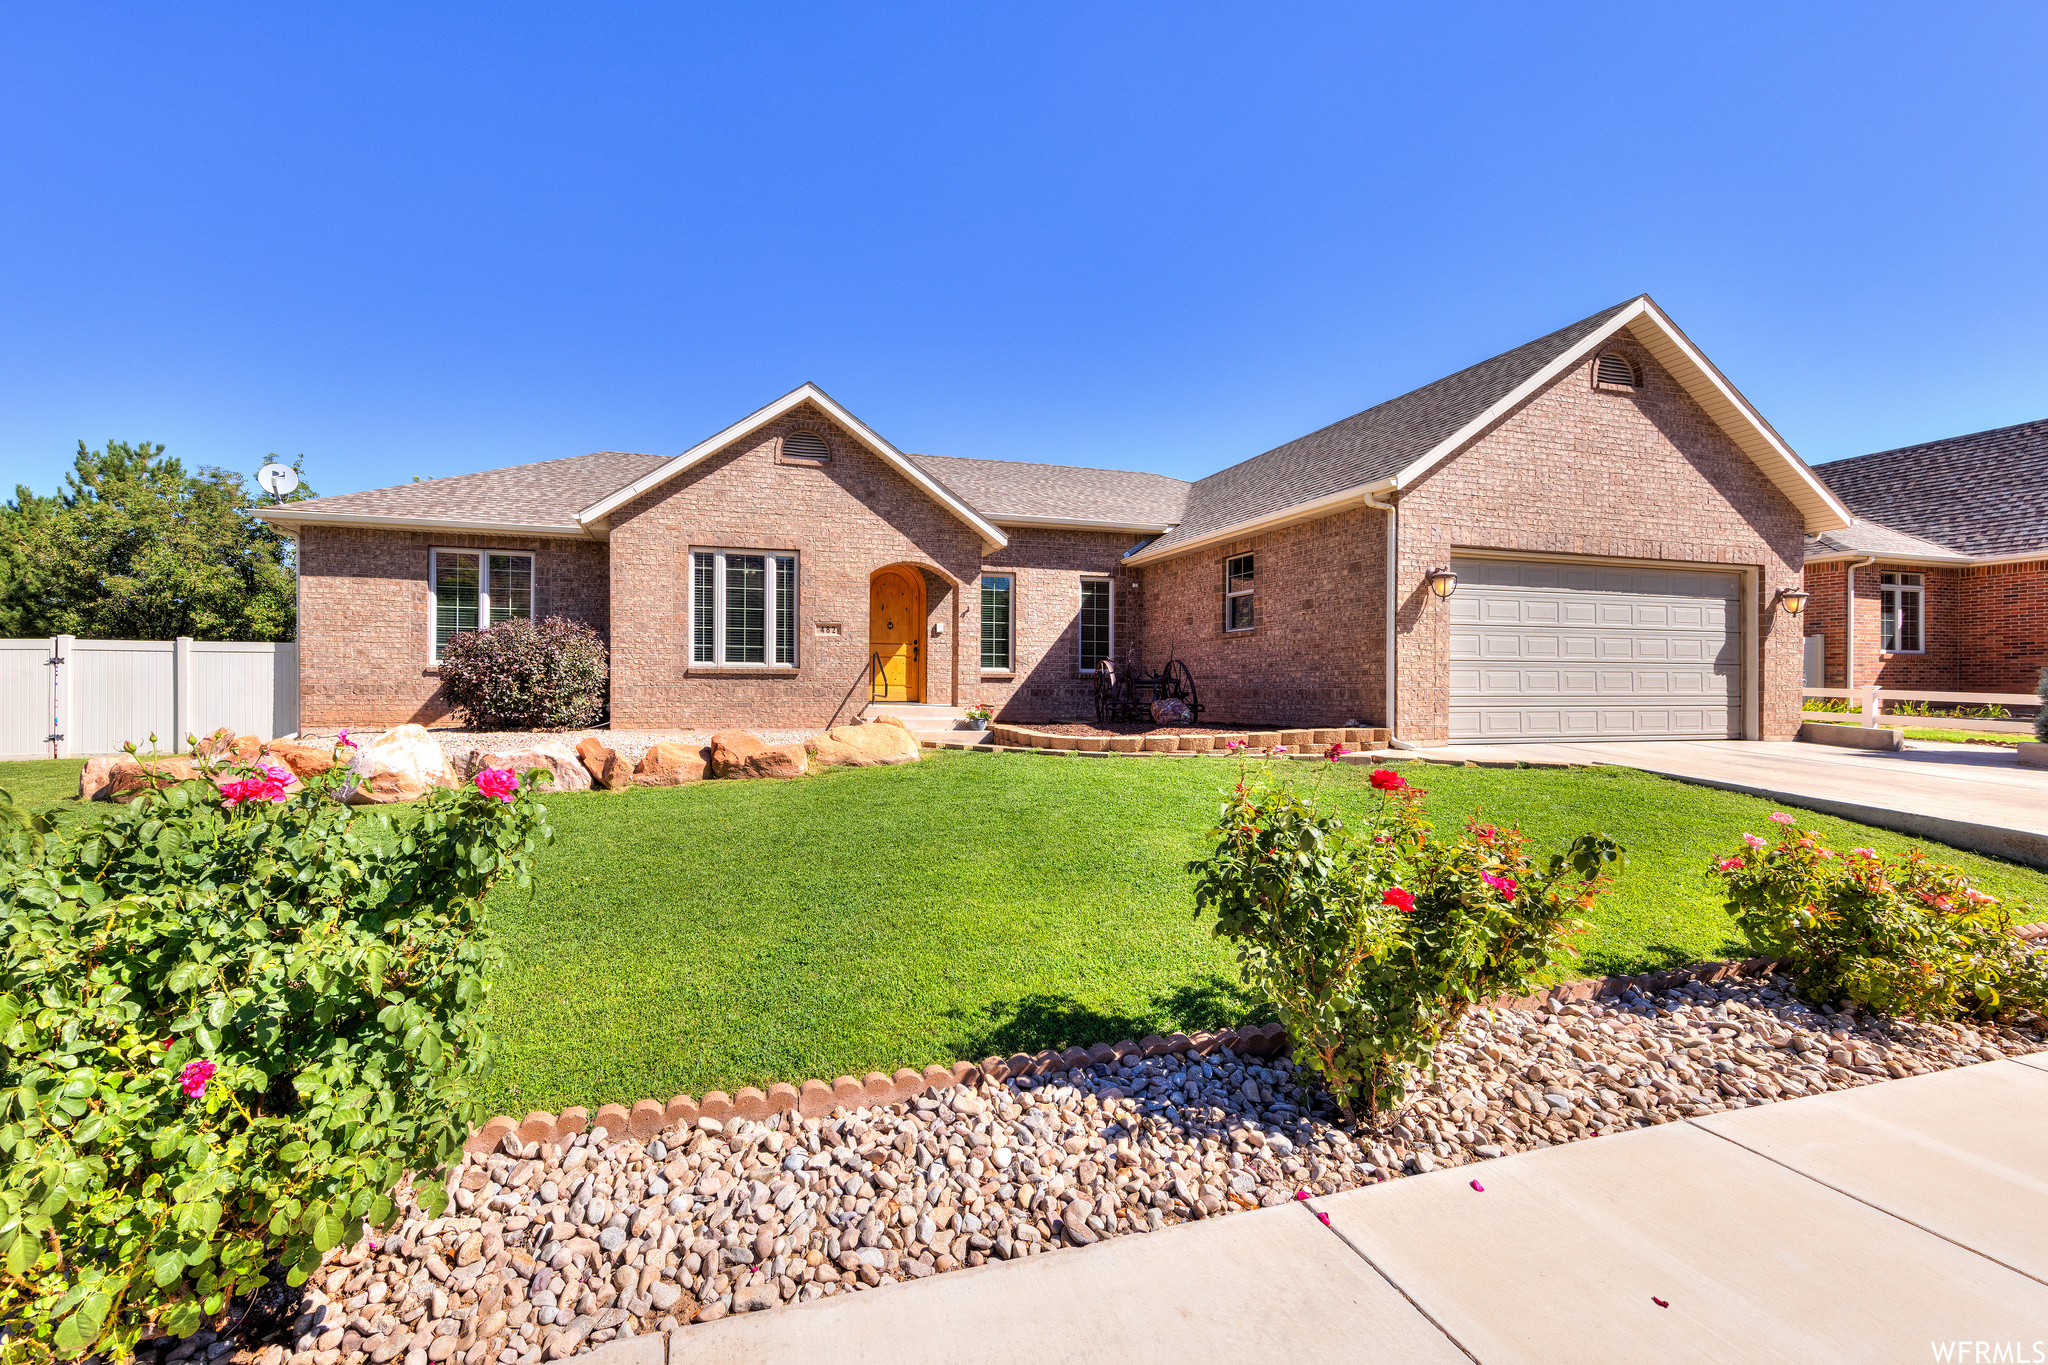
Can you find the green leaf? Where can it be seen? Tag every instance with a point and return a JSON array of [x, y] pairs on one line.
[[328, 1232]]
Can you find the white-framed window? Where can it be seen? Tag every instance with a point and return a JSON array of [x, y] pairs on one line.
[[743, 606], [1237, 592], [996, 592], [474, 590], [1098, 623], [1902, 613]]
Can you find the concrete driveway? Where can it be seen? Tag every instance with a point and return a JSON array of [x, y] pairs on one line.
[[1969, 796]]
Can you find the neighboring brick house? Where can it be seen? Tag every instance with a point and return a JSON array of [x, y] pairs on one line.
[[1621, 525], [1942, 583]]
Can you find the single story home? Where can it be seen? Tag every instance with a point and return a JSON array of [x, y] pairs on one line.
[[1942, 583], [1590, 536]]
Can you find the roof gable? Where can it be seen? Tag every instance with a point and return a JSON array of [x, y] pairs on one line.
[[1981, 494], [593, 515], [1394, 444]]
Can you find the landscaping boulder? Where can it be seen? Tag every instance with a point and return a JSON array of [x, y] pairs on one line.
[[128, 779], [604, 765], [896, 721], [399, 765], [555, 755], [226, 744], [669, 764], [304, 760], [862, 746], [735, 753], [93, 778]]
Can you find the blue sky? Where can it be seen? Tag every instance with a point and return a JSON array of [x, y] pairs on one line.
[[430, 239]]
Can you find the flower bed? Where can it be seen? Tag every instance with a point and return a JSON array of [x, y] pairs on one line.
[[554, 1247], [1132, 739]]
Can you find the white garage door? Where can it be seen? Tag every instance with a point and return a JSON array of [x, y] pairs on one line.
[[1593, 651]]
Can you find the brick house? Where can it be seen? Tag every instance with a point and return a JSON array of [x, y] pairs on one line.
[[1941, 585], [1588, 536]]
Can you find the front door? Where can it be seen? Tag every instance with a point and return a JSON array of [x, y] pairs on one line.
[[896, 636]]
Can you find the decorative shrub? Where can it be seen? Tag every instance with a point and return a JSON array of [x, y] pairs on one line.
[[521, 676], [232, 1016], [1373, 942], [1903, 936]]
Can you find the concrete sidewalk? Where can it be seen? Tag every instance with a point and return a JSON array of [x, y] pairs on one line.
[[1970, 796], [1860, 1226]]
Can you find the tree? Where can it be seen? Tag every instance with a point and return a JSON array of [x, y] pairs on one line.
[[134, 547]]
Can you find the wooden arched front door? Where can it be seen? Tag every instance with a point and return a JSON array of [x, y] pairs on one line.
[[896, 635]]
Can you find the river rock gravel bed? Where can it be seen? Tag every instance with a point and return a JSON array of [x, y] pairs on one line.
[[551, 1251]]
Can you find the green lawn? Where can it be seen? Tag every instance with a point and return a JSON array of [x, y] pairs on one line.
[[1962, 735], [727, 934]]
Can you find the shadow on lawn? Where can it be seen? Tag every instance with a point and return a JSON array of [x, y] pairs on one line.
[[1650, 957], [1036, 1023]]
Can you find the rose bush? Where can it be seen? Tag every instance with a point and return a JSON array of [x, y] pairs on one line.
[[1373, 941], [233, 1016], [1903, 936], [519, 675]]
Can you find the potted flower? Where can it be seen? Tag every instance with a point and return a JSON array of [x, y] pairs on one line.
[[979, 715]]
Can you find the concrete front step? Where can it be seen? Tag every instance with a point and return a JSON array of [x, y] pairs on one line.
[[919, 716]]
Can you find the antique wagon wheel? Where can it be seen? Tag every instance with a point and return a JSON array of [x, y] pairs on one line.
[[1105, 692], [1182, 683]]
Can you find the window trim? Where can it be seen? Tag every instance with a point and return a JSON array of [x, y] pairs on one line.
[[1009, 670], [1229, 597], [1899, 591], [770, 609], [1080, 628], [483, 589]]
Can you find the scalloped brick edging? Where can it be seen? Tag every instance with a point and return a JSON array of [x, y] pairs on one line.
[[815, 1099], [1023, 737]]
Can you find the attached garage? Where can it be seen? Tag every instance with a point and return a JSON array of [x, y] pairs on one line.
[[1556, 650]]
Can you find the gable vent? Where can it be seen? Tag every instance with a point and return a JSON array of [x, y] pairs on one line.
[[805, 445], [1614, 368]]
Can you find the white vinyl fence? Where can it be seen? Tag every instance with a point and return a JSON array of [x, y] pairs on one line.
[[63, 697]]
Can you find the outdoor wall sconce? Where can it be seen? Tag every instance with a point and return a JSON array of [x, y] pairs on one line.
[[1793, 600], [1443, 582]]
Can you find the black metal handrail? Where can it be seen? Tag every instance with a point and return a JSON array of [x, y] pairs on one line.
[[875, 670]]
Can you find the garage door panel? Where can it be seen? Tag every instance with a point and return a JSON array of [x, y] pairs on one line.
[[1577, 651]]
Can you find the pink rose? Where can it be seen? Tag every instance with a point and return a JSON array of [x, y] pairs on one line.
[[1504, 885], [1864, 852], [1279, 748], [342, 741], [1781, 817], [1753, 841], [1730, 863], [192, 1080], [497, 783], [252, 789]]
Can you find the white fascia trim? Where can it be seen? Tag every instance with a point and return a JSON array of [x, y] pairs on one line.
[[754, 421], [1272, 521], [288, 521], [1934, 561], [1642, 309], [1156, 528]]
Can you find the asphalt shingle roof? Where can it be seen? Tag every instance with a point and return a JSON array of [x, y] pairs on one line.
[[1981, 494], [1000, 488], [1875, 538], [549, 493], [1370, 445]]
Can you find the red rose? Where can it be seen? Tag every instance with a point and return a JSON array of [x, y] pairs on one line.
[[1387, 780], [1404, 901]]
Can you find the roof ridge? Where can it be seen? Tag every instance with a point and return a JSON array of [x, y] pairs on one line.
[[1054, 464]]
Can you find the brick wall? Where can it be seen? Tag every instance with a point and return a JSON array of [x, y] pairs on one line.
[[844, 520], [1945, 628], [1577, 471], [1826, 614], [2003, 610], [1047, 567], [1316, 654], [365, 634]]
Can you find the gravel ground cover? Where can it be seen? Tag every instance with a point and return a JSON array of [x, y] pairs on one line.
[[551, 1251], [1114, 727], [631, 745]]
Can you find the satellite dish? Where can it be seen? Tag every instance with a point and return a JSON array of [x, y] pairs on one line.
[[277, 479]]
